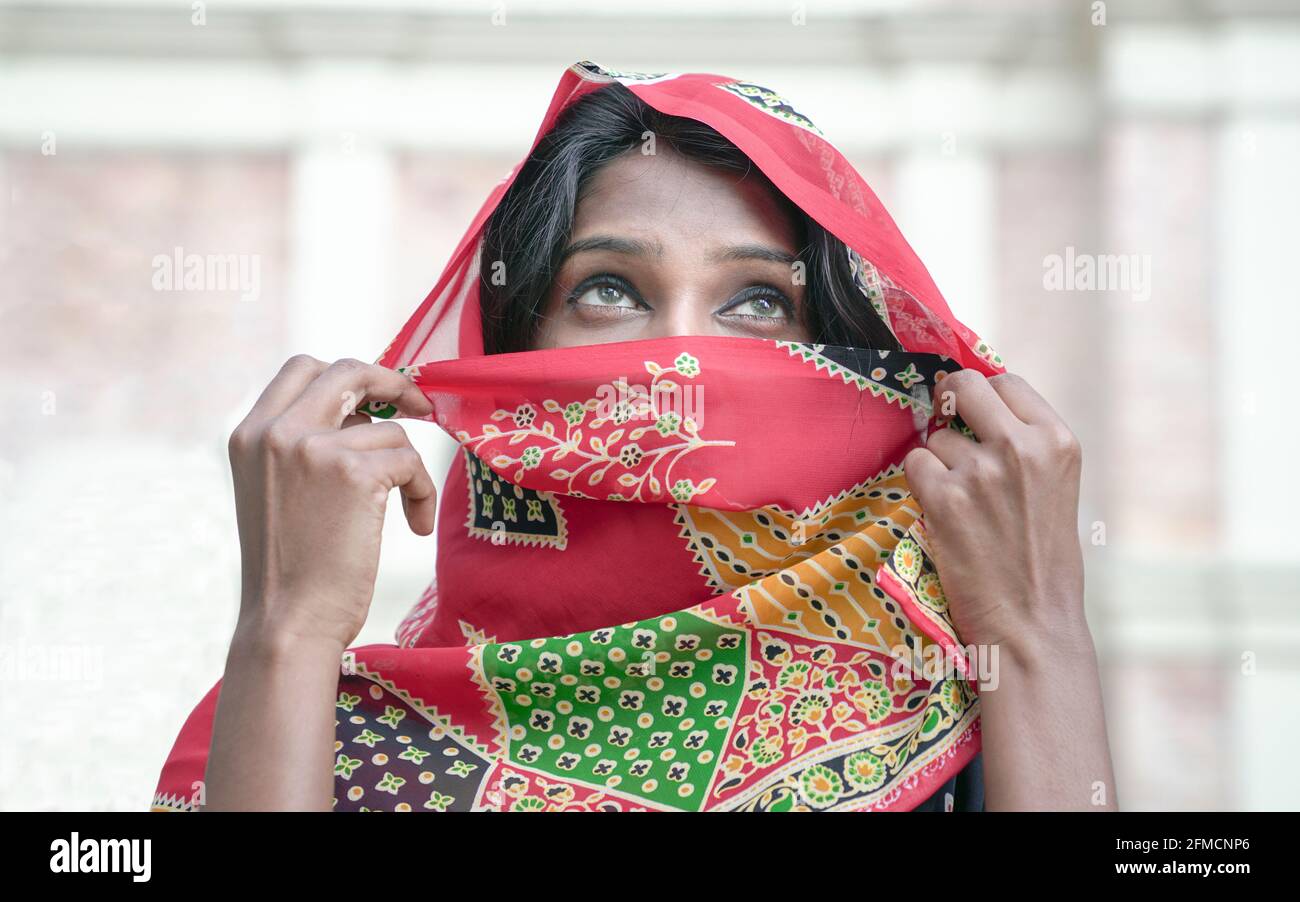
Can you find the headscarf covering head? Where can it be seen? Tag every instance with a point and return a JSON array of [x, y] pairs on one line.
[[794, 155]]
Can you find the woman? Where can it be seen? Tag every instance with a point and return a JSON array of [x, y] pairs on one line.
[[704, 391]]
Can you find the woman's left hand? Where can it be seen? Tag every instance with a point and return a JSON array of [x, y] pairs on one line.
[[1002, 514]]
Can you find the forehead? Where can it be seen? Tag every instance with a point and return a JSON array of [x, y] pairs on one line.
[[680, 200]]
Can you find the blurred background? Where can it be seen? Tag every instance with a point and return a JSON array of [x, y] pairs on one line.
[[336, 151]]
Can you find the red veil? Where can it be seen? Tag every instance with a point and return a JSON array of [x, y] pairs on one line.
[[682, 573]]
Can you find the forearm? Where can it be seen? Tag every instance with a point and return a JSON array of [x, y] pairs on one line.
[[273, 732], [1044, 730]]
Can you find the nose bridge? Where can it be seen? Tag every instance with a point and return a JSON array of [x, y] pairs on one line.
[[683, 299], [684, 308], [687, 313]]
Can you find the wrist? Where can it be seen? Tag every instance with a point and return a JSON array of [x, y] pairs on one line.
[[260, 641], [1055, 648]]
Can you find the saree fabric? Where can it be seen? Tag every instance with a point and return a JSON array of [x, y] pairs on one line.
[[673, 574]]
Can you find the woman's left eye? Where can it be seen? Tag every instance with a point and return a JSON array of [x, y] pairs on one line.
[[760, 307]]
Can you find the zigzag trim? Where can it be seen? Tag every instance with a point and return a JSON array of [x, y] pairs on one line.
[[473, 635], [500, 725], [707, 610], [167, 802], [809, 354], [682, 520], [560, 541], [820, 507], [430, 713]]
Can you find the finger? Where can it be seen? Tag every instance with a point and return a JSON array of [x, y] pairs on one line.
[[356, 419], [951, 447], [1022, 400], [347, 384], [373, 436], [924, 473], [979, 405], [294, 377], [405, 471]]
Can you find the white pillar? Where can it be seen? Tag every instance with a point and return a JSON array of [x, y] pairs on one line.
[[341, 214], [946, 209], [341, 209], [1258, 189], [944, 187], [1258, 328]]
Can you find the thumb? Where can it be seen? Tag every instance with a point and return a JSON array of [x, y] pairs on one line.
[[421, 513]]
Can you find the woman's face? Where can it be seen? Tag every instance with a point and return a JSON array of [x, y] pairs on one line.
[[662, 246]]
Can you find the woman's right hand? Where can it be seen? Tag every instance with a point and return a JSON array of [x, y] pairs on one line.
[[312, 478]]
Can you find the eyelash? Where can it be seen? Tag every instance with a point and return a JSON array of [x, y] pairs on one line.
[[752, 293], [600, 280]]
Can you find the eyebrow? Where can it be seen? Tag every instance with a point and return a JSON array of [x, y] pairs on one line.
[[629, 246], [752, 252], [635, 248]]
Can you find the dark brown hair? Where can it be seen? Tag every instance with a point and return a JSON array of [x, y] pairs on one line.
[[528, 230]]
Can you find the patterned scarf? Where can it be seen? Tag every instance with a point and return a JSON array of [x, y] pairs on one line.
[[674, 574]]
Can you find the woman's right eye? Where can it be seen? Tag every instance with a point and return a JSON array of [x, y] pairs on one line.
[[606, 296], [606, 293]]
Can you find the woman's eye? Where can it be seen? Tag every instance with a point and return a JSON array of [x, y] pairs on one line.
[[759, 307], [606, 296]]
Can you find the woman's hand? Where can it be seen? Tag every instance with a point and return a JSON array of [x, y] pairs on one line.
[[1002, 516], [312, 478], [1002, 513]]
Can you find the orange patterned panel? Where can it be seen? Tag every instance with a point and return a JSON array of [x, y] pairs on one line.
[[812, 572]]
